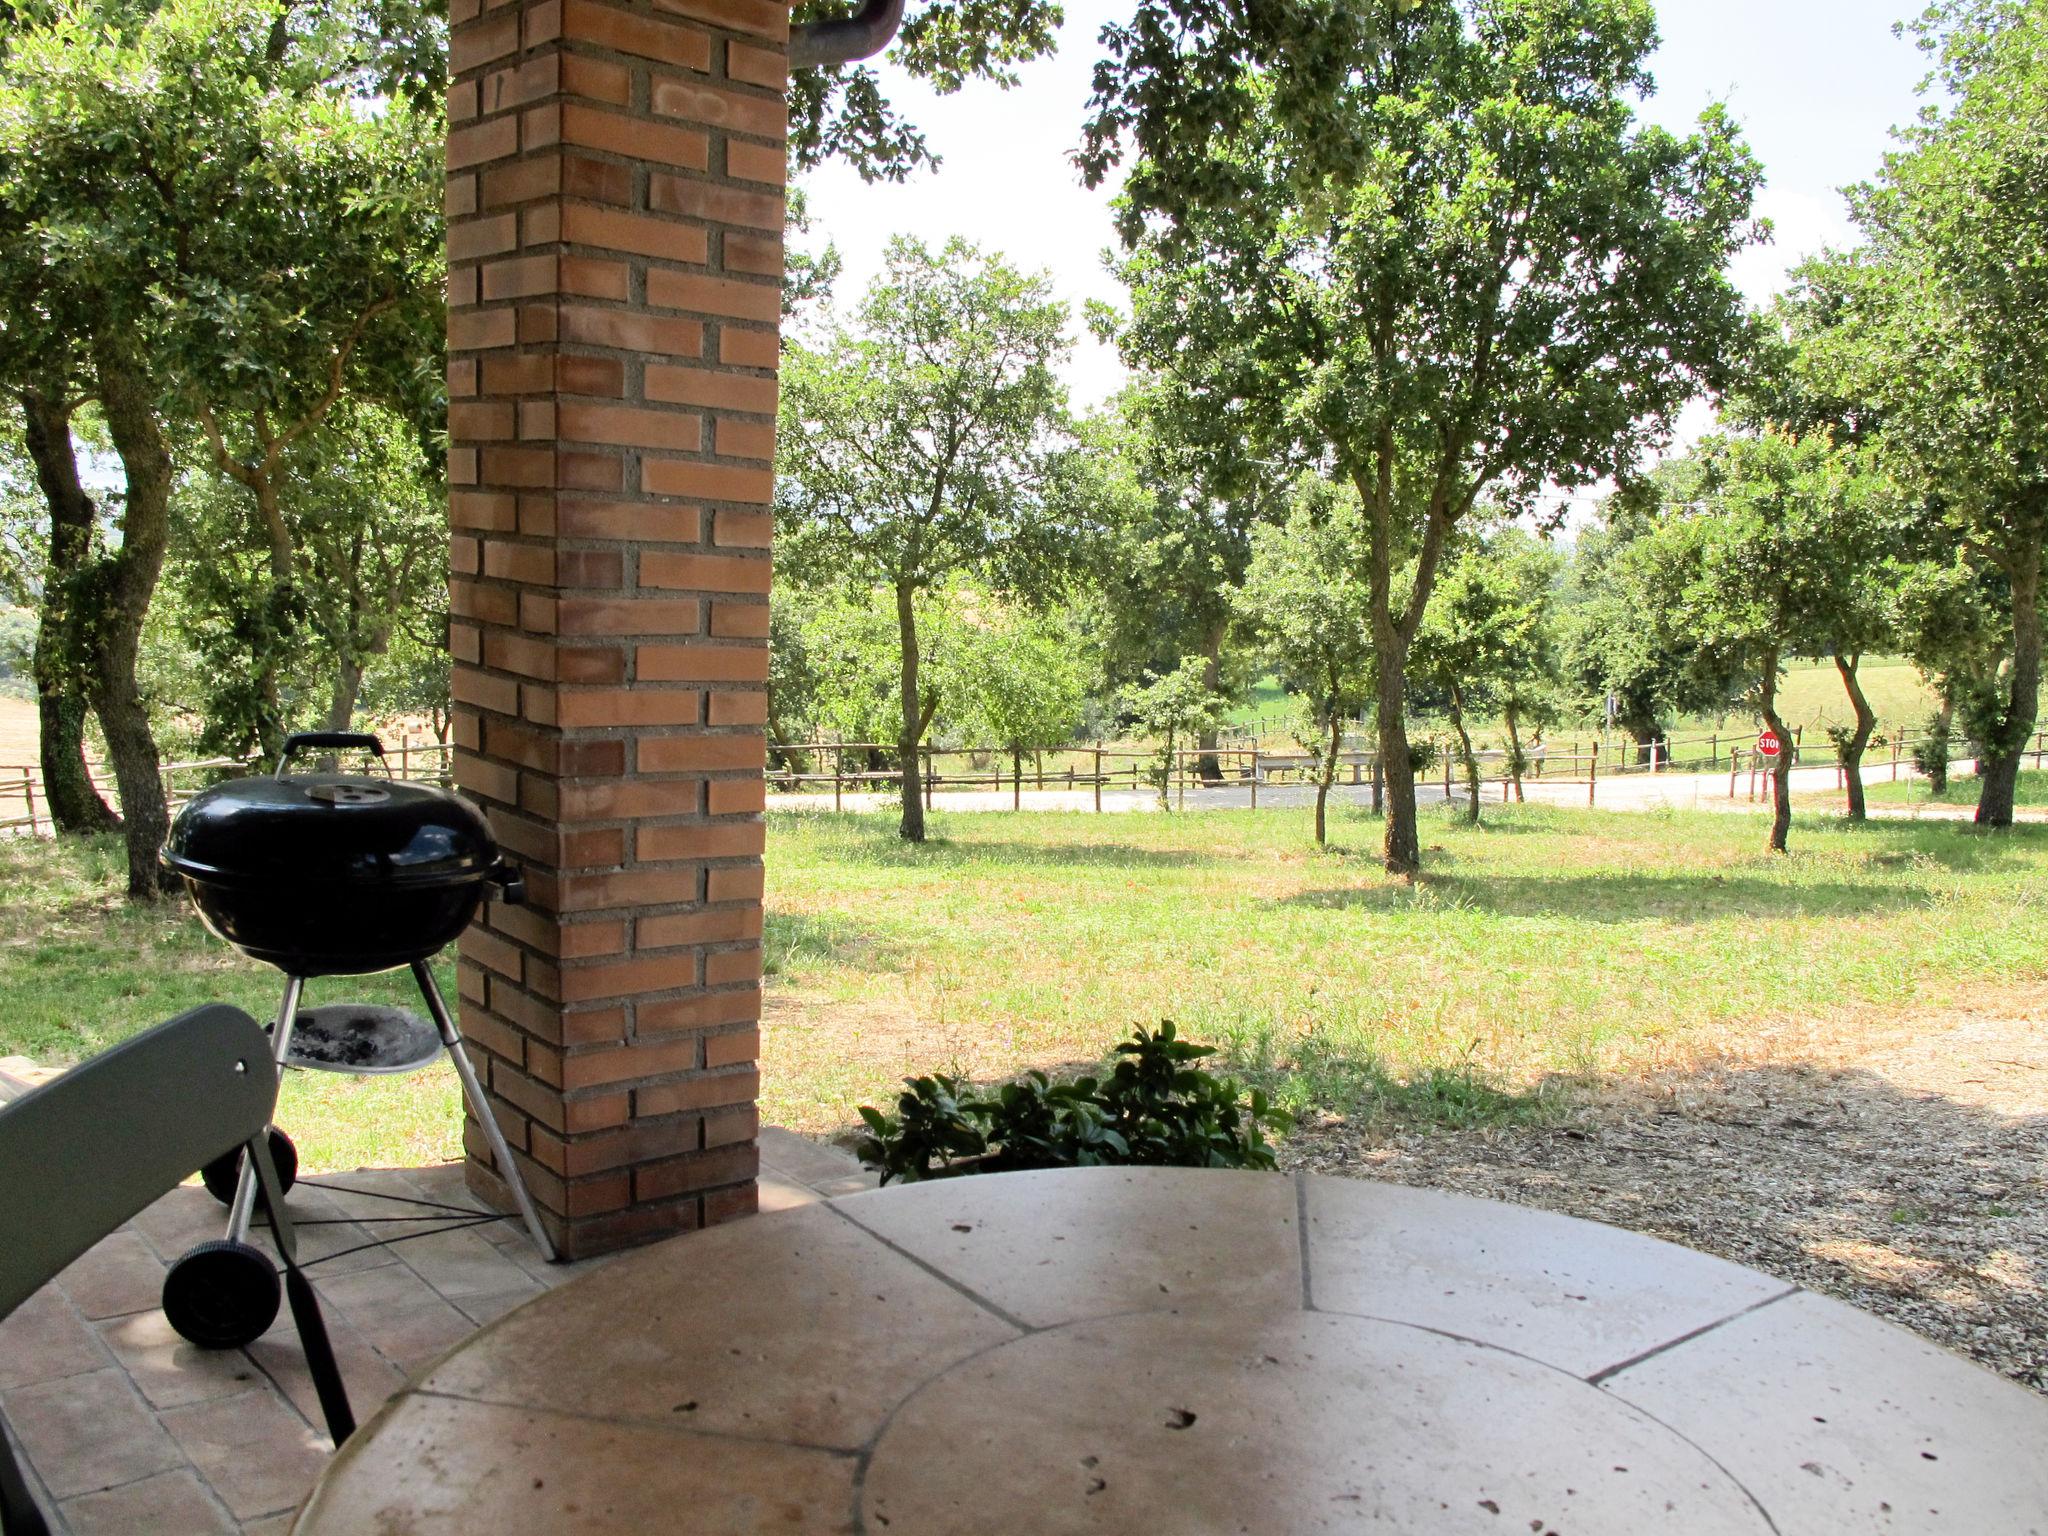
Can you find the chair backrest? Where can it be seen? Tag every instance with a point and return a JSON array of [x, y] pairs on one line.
[[89, 1150]]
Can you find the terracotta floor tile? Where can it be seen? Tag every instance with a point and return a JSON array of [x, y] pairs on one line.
[[169, 1504], [367, 1377], [254, 1452], [511, 1472], [1027, 1244], [118, 1275], [404, 1319], [89, 1432], [799, 1320], [169, 1371], [44, 1340], [1574, 1294]]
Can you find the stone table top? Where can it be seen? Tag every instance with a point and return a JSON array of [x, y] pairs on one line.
[[1138, 1351]]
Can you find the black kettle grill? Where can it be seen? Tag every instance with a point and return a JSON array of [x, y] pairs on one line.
[[330, 874]]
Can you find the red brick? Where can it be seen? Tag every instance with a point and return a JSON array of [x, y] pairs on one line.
[[698, 753], [494, 781], [709, 482], [626, 427], [543, 23], [509, 652], [590, 664], [720, 926], [491, 952], [731, 965], [592, 279], [745, 440], [592, 848], [627, 616], [714, 295], [472, 46], [740, 621], [642, 706], [760, 254], [632, 797], [541, 127], [638, 521], [470, 686], [711, 1091], [665, 239], [482, 141], [522, 182], [622, 134], [629, 888], [735, 797], [699, 840], [748, 349], [730, 1050], [462, 378], [602, 181], [740, 883], [723, 1205], [756, 162], [590, 472], [743, 530], [702, 573], [643, 37], [605, 376], [459, 197], [764, 117], [621, 1064], [583, 940], [524, 374], [629, 978], [470, 238], [684, 385], [490, 511], [521, 277], [480, 421], [536, 323], [763, 18], [591, 568], [462, 101], [525, 83], [737, 709], [757, 66], [705, 1010], [631, 330], [701, 663], [487, 328], [719, 202], [540, 223], [596, 79]]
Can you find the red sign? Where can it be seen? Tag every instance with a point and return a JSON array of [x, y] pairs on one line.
[[1768, 745]]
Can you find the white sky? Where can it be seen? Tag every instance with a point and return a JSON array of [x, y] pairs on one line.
[[1817, 85]]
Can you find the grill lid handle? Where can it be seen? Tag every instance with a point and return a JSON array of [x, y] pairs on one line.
[[511, 883], [347, 741]]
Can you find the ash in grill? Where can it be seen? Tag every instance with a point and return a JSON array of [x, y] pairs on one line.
[[329, 874]]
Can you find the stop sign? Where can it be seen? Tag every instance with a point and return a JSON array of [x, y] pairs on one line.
[[1768, 745]]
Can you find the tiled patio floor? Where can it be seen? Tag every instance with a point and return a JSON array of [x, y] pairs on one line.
[[128, 1428]]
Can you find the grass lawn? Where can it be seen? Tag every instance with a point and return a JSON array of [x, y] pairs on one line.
[[1546, 945], [1962, 790]]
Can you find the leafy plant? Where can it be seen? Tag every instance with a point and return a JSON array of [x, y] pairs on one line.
[[1157, 1107]]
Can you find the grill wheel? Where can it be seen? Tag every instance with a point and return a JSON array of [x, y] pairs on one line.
[[222, 1295], [220, 1175]]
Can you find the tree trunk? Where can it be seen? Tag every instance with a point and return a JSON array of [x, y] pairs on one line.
[[1401, 849], [124, 583], [1866, 723], [1999, 786], [341, 703], [1514, 749], [60, 663], [1781, 765], [1328, 777], [1465, 751], [912, 829], [1207, 765]]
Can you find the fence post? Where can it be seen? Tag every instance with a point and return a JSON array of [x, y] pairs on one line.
[[1714, 750], [1098, 776], [1592, 776], [1255, 778], [1895, 755], [1180, 785], [28, 793], [1447, 775], [838, 765], [927, 778], [1734, 762]]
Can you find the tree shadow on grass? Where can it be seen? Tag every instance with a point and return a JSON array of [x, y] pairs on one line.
[[1623, 898], [943, 853], [1887, 1190]]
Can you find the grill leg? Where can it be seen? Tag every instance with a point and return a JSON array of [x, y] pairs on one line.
[[474, 1091], [244, 1208]]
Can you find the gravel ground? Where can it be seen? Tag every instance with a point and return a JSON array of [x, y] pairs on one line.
[[1903, 1169]]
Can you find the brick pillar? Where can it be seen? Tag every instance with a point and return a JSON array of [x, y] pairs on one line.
[[615, 202]]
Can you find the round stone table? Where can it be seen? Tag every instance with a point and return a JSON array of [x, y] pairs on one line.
[[1151, 1352]]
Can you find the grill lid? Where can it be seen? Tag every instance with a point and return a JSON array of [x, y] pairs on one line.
[[315, 828]]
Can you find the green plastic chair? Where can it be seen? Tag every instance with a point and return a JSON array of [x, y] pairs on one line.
[[91, 1149]]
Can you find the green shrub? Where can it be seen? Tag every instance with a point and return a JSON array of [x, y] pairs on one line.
[[1158, 1107]]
